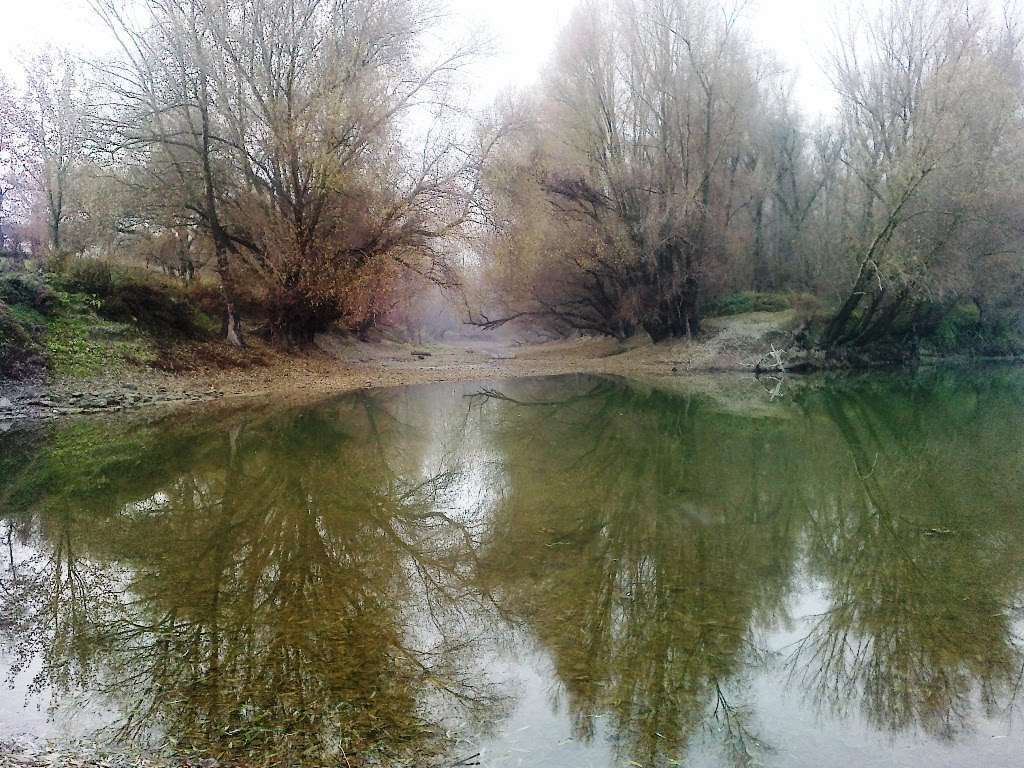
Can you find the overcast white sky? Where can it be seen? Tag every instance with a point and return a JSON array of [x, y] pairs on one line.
[[524, 31]]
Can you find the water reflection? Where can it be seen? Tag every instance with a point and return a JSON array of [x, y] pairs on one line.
[[923, 558], [258, 598], [663, 535], [298, 585], [635, 543]]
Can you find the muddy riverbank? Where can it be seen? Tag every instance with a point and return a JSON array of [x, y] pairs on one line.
[[338, 364]]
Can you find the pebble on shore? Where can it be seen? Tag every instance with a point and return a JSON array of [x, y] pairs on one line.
[[35, 402]]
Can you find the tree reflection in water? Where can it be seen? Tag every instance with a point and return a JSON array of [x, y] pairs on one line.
[[279, 593], [285, 586], [639, 541], [923, 556], [665, 536]]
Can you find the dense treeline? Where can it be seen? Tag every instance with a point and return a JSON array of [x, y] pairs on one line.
[[311, 159], [663, 162]]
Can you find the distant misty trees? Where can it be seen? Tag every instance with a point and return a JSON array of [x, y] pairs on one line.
[[640, 152], [42, 133]]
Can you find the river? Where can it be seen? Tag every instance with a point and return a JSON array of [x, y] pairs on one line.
[[568, 571]]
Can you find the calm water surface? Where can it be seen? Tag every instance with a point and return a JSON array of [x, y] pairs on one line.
[[562, 572]]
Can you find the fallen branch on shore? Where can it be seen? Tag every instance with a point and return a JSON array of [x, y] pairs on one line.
[[771, 361]]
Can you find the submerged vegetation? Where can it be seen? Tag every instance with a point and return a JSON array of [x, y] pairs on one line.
[[308, 164]]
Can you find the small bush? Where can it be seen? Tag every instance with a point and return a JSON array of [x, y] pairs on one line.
[[158, 309], [805, 305], [93, 277], [134, 296], [957, 330], [206, 297], [23, 290], [747, 301], [962, 331], [21, 347]]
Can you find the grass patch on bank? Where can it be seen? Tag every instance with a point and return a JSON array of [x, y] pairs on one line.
[[80, 345], [157, 307], [22, 343], [92, 319], [70, 349], [25, 303]]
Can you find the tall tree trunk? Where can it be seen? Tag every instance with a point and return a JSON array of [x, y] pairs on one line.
[[760, 257], [232, 325], [55, 205]]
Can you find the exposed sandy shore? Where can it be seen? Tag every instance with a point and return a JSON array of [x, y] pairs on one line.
[[337, 364], [728, 344]]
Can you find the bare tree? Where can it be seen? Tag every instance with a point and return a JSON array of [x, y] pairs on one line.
[[161, 114], [645, 156], [45, 132], [282, 128], [931, 98], [10, 171]]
